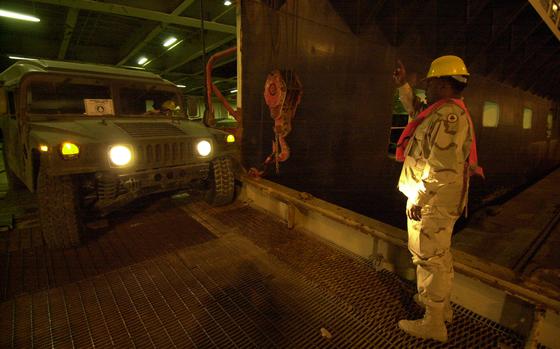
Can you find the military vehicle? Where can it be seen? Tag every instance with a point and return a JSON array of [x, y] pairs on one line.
[[90, 139]]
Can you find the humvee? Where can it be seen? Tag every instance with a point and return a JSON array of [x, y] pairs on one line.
[[89, 139]]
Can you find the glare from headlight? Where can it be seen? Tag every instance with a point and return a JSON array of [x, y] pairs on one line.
[[120, 155], [204, 148]]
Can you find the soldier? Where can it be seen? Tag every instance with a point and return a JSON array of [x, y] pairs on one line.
[[438, 149], [166, 108]]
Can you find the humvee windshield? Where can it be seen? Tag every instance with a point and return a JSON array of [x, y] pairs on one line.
[[91, 97]]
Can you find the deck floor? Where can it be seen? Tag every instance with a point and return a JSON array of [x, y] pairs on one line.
[[178, 273], [521, 235]]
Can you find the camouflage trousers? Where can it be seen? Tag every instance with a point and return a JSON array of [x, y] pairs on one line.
[[429, 242]]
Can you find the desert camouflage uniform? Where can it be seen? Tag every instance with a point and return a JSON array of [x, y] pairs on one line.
[[434, 176]]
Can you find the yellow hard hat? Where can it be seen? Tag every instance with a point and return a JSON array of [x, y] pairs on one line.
[[169, 105], [447, 66]]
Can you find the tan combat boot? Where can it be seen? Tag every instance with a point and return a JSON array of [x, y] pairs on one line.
[[447, 313], [431, 326]]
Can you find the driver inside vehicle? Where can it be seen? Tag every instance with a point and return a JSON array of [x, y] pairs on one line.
[[166, 108]]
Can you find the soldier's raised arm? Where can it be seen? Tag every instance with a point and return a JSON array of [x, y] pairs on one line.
[[410, 102]]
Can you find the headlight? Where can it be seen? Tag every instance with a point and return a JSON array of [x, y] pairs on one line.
[[230, 138], [120, 155], [204, 148], [69, 150]]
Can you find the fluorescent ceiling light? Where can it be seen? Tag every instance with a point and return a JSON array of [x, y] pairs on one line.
[[142, 60], [22, 58], [227, 2], [181, 86], [169, 41], [233, 91], [15, 15], [133, 67]]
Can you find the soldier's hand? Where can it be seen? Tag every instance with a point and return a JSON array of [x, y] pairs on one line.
[[399, 75], [414, 212]]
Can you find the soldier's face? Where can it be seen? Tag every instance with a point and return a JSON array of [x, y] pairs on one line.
[[433, 88]]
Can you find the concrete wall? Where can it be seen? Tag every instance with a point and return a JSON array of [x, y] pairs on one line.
[[341, 129]]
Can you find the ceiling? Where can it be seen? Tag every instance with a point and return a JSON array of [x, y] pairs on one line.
[[119, 32], [506, 40]]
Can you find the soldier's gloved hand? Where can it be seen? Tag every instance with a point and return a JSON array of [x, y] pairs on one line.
[[399, 75], [414, 212]]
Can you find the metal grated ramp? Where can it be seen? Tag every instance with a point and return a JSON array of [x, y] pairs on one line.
[[161, 279], [379, 298]]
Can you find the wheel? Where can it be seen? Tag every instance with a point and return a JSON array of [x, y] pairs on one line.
[[59, 209], [14, 183], [221, 181]]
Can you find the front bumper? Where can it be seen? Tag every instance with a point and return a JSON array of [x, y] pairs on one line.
[[116, 190]]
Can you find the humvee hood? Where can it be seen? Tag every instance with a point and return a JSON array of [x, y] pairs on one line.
[[117, 129]]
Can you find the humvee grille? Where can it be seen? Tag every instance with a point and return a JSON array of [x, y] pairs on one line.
[[172, 153], [150, 129]]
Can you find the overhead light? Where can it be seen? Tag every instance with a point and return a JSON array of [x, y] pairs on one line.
[[181, 86], [15, 15], [554, 7], [169, 41], [22, 58], [174, 45], [132, 67], [142, 60], [227, 2], [233, 91]]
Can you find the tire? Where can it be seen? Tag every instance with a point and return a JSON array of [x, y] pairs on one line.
[[221, 181], [59, 209]]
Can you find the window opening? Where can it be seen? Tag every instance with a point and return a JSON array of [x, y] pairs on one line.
[[490, 114], [527, 118], [400, 119], [549, 125]]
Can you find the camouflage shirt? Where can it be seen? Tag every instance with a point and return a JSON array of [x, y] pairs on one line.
[[435, 167]]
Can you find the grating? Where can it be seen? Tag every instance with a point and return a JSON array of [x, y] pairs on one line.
[[150, 129], [160, 278], [27, 265], [379, 297]]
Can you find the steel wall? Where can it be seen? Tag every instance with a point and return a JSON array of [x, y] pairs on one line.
[[341, 129]]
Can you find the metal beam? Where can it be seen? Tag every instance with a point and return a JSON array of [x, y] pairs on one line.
[[128, 11], [199, 75], [198, 54], [500, 29], [216, 82], [71, 19], [536, 75], [222, 63], [225, 12], [473, 12], [514, 48], [543, 12], [549, 88], [155, 32], [533, 51]]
